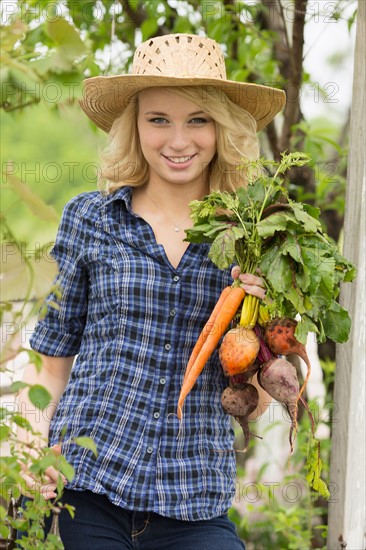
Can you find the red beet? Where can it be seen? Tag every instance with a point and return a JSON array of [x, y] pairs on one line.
[[240, 403], [238, 381], [280, 337], [278, 377]]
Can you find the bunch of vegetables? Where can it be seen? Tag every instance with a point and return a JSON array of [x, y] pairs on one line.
[[263, 231]]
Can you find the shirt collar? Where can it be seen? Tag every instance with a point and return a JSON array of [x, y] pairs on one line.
[[123, 194]]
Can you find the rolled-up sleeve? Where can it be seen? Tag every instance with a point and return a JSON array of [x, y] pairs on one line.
[[59, 332]]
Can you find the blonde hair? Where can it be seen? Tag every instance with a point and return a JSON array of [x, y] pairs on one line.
[[236, 137]]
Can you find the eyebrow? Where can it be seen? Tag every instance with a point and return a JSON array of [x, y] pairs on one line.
[[157, 113]]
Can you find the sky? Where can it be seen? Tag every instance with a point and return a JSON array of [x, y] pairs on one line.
[[325, 38]]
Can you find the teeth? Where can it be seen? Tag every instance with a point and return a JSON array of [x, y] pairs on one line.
[[179, 160]]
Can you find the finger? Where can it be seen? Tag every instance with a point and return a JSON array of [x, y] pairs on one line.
[[54, 475], [29, 481], [56, 449], [251, 279], [26, 474], [48, 491], [254, 290], [31, 487], [235, 272]]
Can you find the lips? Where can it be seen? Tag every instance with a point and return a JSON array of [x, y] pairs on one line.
[[179, 160]]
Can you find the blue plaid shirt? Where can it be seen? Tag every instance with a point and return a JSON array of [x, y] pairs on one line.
[[132, 320]]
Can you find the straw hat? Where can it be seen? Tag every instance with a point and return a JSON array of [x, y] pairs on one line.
[[176, 60]]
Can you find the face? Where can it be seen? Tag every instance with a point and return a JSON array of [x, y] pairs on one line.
[[177, 138]]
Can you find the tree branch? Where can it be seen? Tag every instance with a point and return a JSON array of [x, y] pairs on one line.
[[272, 18], [273, 140], [292, 110], [137, 17], [235, 44]]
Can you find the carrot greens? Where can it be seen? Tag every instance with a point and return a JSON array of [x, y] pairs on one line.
[[263, 231]]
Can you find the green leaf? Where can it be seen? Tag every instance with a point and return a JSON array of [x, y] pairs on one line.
[[65, 468], [314, 466], [322, 296], [4, 531], [4, 432], [35, 359], [70, 509], [303, 279], [17, 386], [87, 443], [310, 224], [217, 227], [197, 234], [292, 247], [66, 37], [337, 323], [349, 274], [255, 192], [273, 223], [222, 251], [22, 422], [39, 396], [148, 28], [313, 211], [277, 269], [40, 465], [295, 296], [303, 327]]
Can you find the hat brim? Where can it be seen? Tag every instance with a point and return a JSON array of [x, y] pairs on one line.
[[105, 97]]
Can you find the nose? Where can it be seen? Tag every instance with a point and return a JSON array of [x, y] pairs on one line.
[[179, 138]]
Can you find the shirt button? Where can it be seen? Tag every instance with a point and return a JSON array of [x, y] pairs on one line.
[[176, 278], [156, 414], [172, 312], [149, 450], [168, 347], [162, 381]]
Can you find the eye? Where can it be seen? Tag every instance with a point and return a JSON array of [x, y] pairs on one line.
[[158, 120], [199, 121]]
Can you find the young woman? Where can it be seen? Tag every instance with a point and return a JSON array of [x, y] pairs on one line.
[[135, 296]]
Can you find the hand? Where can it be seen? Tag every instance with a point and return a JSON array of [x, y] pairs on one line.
[[49, 480], [252, 284]]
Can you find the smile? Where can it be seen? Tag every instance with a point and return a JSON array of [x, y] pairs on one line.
[[179, 160]]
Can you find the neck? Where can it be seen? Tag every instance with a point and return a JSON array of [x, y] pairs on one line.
[[176, 198]]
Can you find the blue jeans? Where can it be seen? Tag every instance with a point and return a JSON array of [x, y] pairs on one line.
[[100, 525]]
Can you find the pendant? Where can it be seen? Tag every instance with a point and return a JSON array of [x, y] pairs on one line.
[[176, 229]]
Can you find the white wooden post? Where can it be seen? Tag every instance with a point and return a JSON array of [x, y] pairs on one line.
[[347, 511]]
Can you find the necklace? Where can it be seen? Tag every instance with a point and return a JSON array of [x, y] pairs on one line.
[[177, 226]]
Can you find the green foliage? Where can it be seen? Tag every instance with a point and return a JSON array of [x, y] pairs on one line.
[[52, 162], [35, 510], [20, 283]]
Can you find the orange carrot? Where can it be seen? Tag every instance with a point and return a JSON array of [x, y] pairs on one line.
[[206, 329], [223, 320]]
